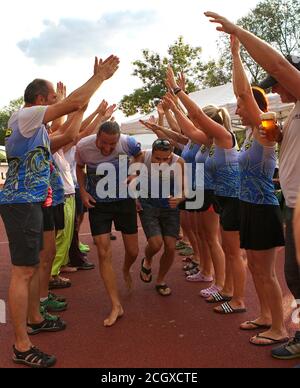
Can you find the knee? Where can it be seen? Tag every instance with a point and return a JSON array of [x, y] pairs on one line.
[[25, 274], [155, 246]]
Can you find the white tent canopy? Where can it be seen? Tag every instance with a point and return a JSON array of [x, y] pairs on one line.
[[222, 96]]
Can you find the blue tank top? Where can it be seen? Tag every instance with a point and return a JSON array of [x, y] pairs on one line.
[[28, 176], [189, 156], [210, 170], [257, 166], [56, 183], [201, 157], [227, 172]]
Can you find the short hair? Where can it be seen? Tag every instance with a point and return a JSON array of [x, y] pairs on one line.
[[38, 87], [261, 98], [110, 128]]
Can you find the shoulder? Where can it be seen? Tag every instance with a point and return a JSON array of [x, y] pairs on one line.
[[87, 142]]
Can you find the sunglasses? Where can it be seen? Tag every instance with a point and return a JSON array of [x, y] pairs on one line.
[[162, 145]]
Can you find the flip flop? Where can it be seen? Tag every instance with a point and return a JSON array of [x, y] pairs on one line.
[[255, 326], [147, 272], [218, 298], [272, 341], [227, 309], [162, 289]]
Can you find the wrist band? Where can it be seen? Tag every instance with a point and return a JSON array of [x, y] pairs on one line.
[[177, 90]]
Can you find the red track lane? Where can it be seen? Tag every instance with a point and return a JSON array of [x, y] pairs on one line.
[[176, 332]]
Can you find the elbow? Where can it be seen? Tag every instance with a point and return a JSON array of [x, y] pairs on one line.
[[277, 68]]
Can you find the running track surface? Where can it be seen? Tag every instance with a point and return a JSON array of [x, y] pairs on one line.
[[181, 331]]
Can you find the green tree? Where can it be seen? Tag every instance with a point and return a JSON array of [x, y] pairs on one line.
[[275, 21], [151, 70], [5, 114]]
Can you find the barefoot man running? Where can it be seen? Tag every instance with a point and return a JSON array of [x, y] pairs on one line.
[[92, 152]]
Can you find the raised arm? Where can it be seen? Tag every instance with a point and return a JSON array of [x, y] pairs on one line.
[[68, 133], [81, 96], [165, 132], [265, 55], [242, 87], [209, 126], [61, 94], [188, 128]]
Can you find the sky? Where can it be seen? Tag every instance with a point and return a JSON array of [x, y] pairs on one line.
[[57, 40]]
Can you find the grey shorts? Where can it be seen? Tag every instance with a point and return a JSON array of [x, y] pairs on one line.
[[24, 228], [160, 222]]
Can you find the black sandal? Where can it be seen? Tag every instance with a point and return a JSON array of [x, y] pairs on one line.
[[33, 358], [145, 271], [47, 325], [162, 289]]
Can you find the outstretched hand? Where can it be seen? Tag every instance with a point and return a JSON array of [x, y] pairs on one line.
[[225, 24], [61, 92], [102, 107], [181, 81], [106, 69], [169, 102], [171, 81], [109, 112]]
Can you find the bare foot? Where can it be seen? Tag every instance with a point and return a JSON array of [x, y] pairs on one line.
[[256, 324], [127, 279], [116, 313]]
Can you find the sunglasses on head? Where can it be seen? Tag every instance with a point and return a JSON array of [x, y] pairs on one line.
[[162, 145]]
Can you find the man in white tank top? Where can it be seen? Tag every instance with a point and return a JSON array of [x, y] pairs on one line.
[[160, 216]]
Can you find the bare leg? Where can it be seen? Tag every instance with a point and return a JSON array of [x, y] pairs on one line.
[[153, 247], [18, 302], [211, 230], [34, 315], [109, 278], [206, 261], [167, 259], [263, 263], [47, 256], [131, 254]]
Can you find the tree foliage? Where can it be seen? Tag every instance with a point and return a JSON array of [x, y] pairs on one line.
[[275, 21], [151, 70], [5, 114]]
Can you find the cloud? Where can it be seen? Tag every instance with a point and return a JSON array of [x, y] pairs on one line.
[[75, 38]]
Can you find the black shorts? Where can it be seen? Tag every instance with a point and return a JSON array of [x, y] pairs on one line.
[[80, 209], [261, 227], [209, 202], [24, 229], [122, 213], [54, 218], [160, 222], [229, 209]]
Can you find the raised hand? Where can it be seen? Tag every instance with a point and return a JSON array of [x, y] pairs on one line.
[[102, 108], [169, 102], [225, 24], [171, 81], [235, 45], [160, 109], [149, 125], [109, 112], [61, 91], [106, 69], [181, 81]]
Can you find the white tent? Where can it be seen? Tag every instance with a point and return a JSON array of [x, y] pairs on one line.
[[222, 96]]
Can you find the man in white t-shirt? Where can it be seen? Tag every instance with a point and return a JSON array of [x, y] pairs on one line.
[[26, 188], [105, 148], [285, 80]]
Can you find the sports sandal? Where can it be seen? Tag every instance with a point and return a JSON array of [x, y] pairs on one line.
[[33, 358], [226, 309], [163, 290], [218, 298], [145, 271], [46, 326], [59, 283]]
